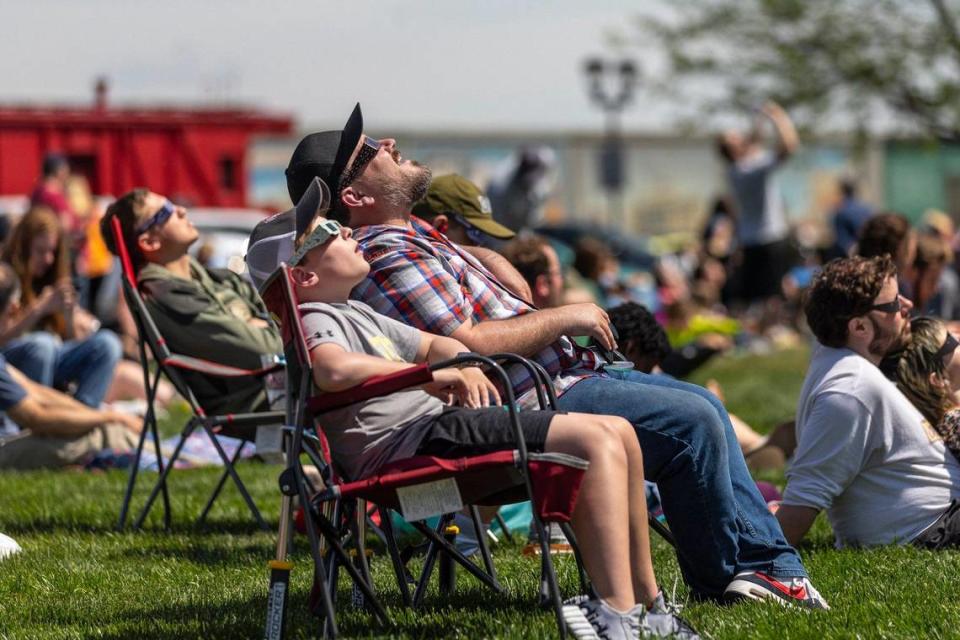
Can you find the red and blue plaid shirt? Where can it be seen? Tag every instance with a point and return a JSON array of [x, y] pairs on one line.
[[421, 278]]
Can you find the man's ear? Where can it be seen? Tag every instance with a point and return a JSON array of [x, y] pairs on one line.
[[303, 278], [441, 223], [541, 286], [857, 326], [350, 197]]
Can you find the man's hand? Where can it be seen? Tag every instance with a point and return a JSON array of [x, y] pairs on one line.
[[469, 386], [587, 319], [134, 424]]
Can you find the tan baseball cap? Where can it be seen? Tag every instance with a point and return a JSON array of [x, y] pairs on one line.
[[454, 195]]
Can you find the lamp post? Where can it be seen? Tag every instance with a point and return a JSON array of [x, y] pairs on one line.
[[612, 85]]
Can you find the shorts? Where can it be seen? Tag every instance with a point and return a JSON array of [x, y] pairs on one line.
[[459, 432], [944, 533]]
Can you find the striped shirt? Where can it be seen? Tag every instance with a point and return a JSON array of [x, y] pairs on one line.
[[419, 277]]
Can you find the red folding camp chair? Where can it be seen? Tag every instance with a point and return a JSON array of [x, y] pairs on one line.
[[242, 425], [550, 481]]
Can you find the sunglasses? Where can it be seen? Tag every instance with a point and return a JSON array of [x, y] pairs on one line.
[[367, 153], [161, 216], [319, 236], [888, 307], [950, 345]]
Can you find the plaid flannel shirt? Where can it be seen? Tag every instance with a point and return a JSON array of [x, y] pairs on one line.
[[419, 277]]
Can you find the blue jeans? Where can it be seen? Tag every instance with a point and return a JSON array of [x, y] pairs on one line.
[[89, 364], [719, 519]]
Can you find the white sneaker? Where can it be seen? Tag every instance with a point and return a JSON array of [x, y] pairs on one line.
[[596, 620], [663, 620]]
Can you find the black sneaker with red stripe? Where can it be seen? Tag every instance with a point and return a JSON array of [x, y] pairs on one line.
[[753, 585]]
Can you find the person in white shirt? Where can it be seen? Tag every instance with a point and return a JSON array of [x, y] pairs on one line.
[[864, 453]]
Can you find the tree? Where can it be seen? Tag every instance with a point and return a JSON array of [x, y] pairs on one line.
[[861, 65]]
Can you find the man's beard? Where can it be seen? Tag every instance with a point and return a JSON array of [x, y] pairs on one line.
[[409, 188], [885, 342]]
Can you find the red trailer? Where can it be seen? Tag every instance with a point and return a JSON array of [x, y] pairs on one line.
[[196, 156]]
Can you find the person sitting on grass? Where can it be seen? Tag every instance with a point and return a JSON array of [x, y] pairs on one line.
[[350, 343], [928, 373], [864, 453], [55, 429], [45, 333], [212, 314]]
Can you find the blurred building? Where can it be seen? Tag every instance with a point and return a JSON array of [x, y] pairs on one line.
[[197, 156], [670, 180]]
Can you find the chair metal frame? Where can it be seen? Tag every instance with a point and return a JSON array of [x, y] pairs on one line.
[[281, 300], [151, 343]]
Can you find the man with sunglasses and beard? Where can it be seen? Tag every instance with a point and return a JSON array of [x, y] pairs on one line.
[[729, 545], [864, 453], [212, 314]]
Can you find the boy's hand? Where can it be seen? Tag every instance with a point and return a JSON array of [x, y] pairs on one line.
[[482, 392], [468, 386]]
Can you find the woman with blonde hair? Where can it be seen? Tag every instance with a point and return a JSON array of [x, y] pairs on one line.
[[45, 333], [928, 373]]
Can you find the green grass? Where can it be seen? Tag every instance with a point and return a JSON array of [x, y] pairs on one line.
[[77, 578]]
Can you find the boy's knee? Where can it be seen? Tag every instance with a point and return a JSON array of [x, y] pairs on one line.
[[607, 438]]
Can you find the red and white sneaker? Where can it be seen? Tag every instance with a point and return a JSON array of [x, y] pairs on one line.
[[753, 585]]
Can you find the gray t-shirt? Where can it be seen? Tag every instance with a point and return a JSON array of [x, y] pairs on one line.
[[367, 434], [866, 455], [763, 216]]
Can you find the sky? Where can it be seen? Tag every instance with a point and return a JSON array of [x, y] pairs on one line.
[[470, 65]]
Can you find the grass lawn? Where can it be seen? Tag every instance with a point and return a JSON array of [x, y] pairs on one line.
[[77, 578]]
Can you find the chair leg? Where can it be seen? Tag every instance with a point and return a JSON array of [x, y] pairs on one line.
[[585, 585], [457, 556], [162, 481], [548, 576], [399, 569], [360, 534], [132, 480], [504, 528], [481, 532], [333, 561], [236, 479], [428, 562], [664, 533], [331, 532], [219, 487], [319, 570]]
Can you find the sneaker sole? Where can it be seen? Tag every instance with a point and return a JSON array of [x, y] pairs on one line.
[[739, 591], [747, 591], [577, 623]]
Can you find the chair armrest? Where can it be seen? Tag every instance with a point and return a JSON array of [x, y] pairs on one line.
[[371, 388], [200, 365]]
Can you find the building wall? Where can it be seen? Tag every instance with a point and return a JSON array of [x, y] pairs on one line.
[[922, 175]]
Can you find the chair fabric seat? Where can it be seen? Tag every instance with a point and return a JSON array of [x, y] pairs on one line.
[[488, 479]]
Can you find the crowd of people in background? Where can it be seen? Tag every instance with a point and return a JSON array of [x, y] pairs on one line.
[[880, 297]]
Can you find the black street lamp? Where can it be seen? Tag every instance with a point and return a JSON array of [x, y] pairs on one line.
[[612, 86]]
